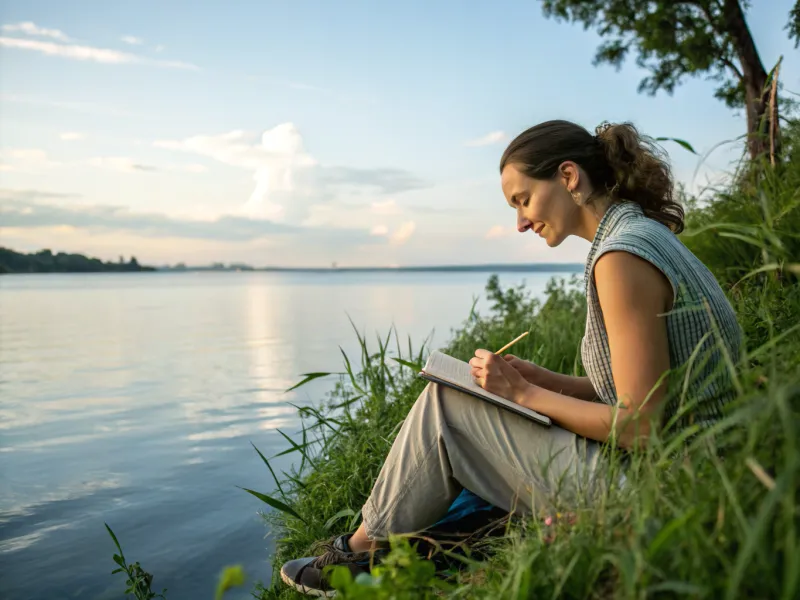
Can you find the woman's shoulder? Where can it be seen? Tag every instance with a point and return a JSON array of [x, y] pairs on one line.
[[641, 235]]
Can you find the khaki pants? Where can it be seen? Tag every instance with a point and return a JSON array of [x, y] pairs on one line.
[[450, 441]]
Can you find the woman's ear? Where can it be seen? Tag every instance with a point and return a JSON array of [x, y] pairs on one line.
[[570, 175]]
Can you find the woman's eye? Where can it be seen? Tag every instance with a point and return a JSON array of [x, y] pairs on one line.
[[525, 203]]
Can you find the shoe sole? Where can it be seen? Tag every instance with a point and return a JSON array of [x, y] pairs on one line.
[[306, 590]]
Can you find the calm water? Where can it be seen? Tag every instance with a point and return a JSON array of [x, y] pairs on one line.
[[132, 399]]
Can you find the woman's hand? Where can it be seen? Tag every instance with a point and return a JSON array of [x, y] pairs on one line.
[[498, 376], [531, 372]]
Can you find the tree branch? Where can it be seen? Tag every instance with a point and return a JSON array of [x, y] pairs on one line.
[[703, 6], [728, 63]]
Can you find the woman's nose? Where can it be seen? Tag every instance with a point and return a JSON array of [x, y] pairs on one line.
[[523, 224]]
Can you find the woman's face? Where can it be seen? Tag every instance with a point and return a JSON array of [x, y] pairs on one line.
[[544, 207]]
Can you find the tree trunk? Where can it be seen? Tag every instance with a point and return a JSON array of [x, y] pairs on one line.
[[762, 119]]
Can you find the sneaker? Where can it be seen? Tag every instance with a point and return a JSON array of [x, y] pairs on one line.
[[306, 574]]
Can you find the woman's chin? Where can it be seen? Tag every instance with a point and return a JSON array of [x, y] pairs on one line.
[[553, 240]]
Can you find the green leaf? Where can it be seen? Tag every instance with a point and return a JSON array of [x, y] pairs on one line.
[[269, 466], [407, 363], [667, 532], [115, 571], [229, 578], [276, 504], [299, 448], [309, 377], [345, 512], [116, 543], [119, 560], [341, 578], [683, 143], [350, 372]]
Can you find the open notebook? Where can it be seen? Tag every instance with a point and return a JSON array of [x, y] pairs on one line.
[[454, 373]]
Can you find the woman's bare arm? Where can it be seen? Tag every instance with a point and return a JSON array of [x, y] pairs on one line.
[[633, 295], [569, 385]]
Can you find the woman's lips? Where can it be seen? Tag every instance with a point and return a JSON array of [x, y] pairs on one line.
[[538, 229]]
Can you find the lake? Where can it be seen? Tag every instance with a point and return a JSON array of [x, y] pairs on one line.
[[132, 399]]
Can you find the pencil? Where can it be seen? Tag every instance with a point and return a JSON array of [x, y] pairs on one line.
[[511, 343]]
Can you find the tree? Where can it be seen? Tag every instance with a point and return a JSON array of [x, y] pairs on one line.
[[675, 39]]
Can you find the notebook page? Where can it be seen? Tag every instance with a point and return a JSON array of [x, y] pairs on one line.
[[449, 368], [457, 372]]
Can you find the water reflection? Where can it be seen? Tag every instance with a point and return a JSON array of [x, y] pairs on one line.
[[132, 399]]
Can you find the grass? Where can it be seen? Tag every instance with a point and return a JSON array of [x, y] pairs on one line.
[[714, 515], [709, 515]]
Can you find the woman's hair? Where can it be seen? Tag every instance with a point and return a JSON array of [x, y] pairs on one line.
[[619, 161]]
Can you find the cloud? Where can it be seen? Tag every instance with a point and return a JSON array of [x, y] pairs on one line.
[[90, 53], [121, 164], [159, 48], [16, 195], [288, 180], [499, 231], [403, 233], [132, 40], [21, 209], [389, 207], [379, 230], [31, 29], [495, 137], [124, 164], [82, 107], [27, 159], [71, 136], [384, 180]]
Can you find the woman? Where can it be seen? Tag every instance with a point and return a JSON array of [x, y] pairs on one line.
[[651, 304]]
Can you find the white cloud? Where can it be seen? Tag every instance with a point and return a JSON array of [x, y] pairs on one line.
[[193, 168], [159, 48], [289, 183], [121, 164], [28, 160], [124, 164], [90, 53], [495, 137], [82, 107], [389, 207], [132, 40], [403, 233], [277, 160], [499, 231], [29, 28], [379, 230], [71, 136]]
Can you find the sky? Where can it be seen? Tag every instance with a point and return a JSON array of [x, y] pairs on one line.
[[307, 133]]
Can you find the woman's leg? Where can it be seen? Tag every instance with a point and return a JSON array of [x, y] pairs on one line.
[[451, 440]]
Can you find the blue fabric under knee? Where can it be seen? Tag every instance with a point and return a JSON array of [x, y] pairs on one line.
[[464, 505]]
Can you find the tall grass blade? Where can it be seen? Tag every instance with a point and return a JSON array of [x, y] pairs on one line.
[[116, 542], [682, 143], [269, 466], [345, 512], [309, 377], [416, 367], [276, 504], [755, 534]]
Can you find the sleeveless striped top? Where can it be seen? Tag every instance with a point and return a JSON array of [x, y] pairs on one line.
[[701, 326]]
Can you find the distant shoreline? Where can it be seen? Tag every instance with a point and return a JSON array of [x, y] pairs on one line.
[[497, 268], [490, 268]]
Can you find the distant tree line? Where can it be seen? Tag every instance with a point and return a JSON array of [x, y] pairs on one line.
[[45, 261]]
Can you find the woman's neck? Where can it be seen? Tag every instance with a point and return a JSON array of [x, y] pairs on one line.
[[591, 215]]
